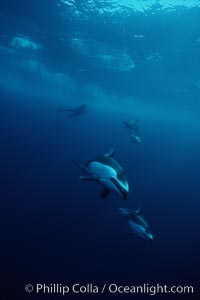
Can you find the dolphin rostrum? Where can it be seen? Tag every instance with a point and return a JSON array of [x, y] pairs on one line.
[[137, 223], [106, 171]]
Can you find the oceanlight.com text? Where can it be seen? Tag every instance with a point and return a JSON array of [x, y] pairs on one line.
[[112, 288]]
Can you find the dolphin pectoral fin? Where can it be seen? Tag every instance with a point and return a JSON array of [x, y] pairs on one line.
[[110, 153], [88, 178], [105, 193]]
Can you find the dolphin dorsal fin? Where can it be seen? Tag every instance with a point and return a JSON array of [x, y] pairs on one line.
[[110, 153], [139, 211]]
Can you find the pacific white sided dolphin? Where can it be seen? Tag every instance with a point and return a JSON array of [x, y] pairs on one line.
[[132, 125], [82, 109], [106, 171], [137, 223], [136, 139]]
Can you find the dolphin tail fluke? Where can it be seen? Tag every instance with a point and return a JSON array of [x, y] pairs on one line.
[[105, 193], [110, 153]]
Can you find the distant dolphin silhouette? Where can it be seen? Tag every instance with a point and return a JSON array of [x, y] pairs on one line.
[[82, 109], [136, 139], [106, 171], [132, 125]]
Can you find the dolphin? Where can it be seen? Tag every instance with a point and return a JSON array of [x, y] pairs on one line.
[[137, 223], [136, 139], [107, 172], [82, 109], [132, 125]]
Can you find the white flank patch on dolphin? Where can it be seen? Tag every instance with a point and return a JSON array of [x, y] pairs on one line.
[[137, 229], [101, 170]]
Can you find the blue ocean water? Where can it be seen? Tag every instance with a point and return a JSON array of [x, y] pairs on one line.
[[125, 60]]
